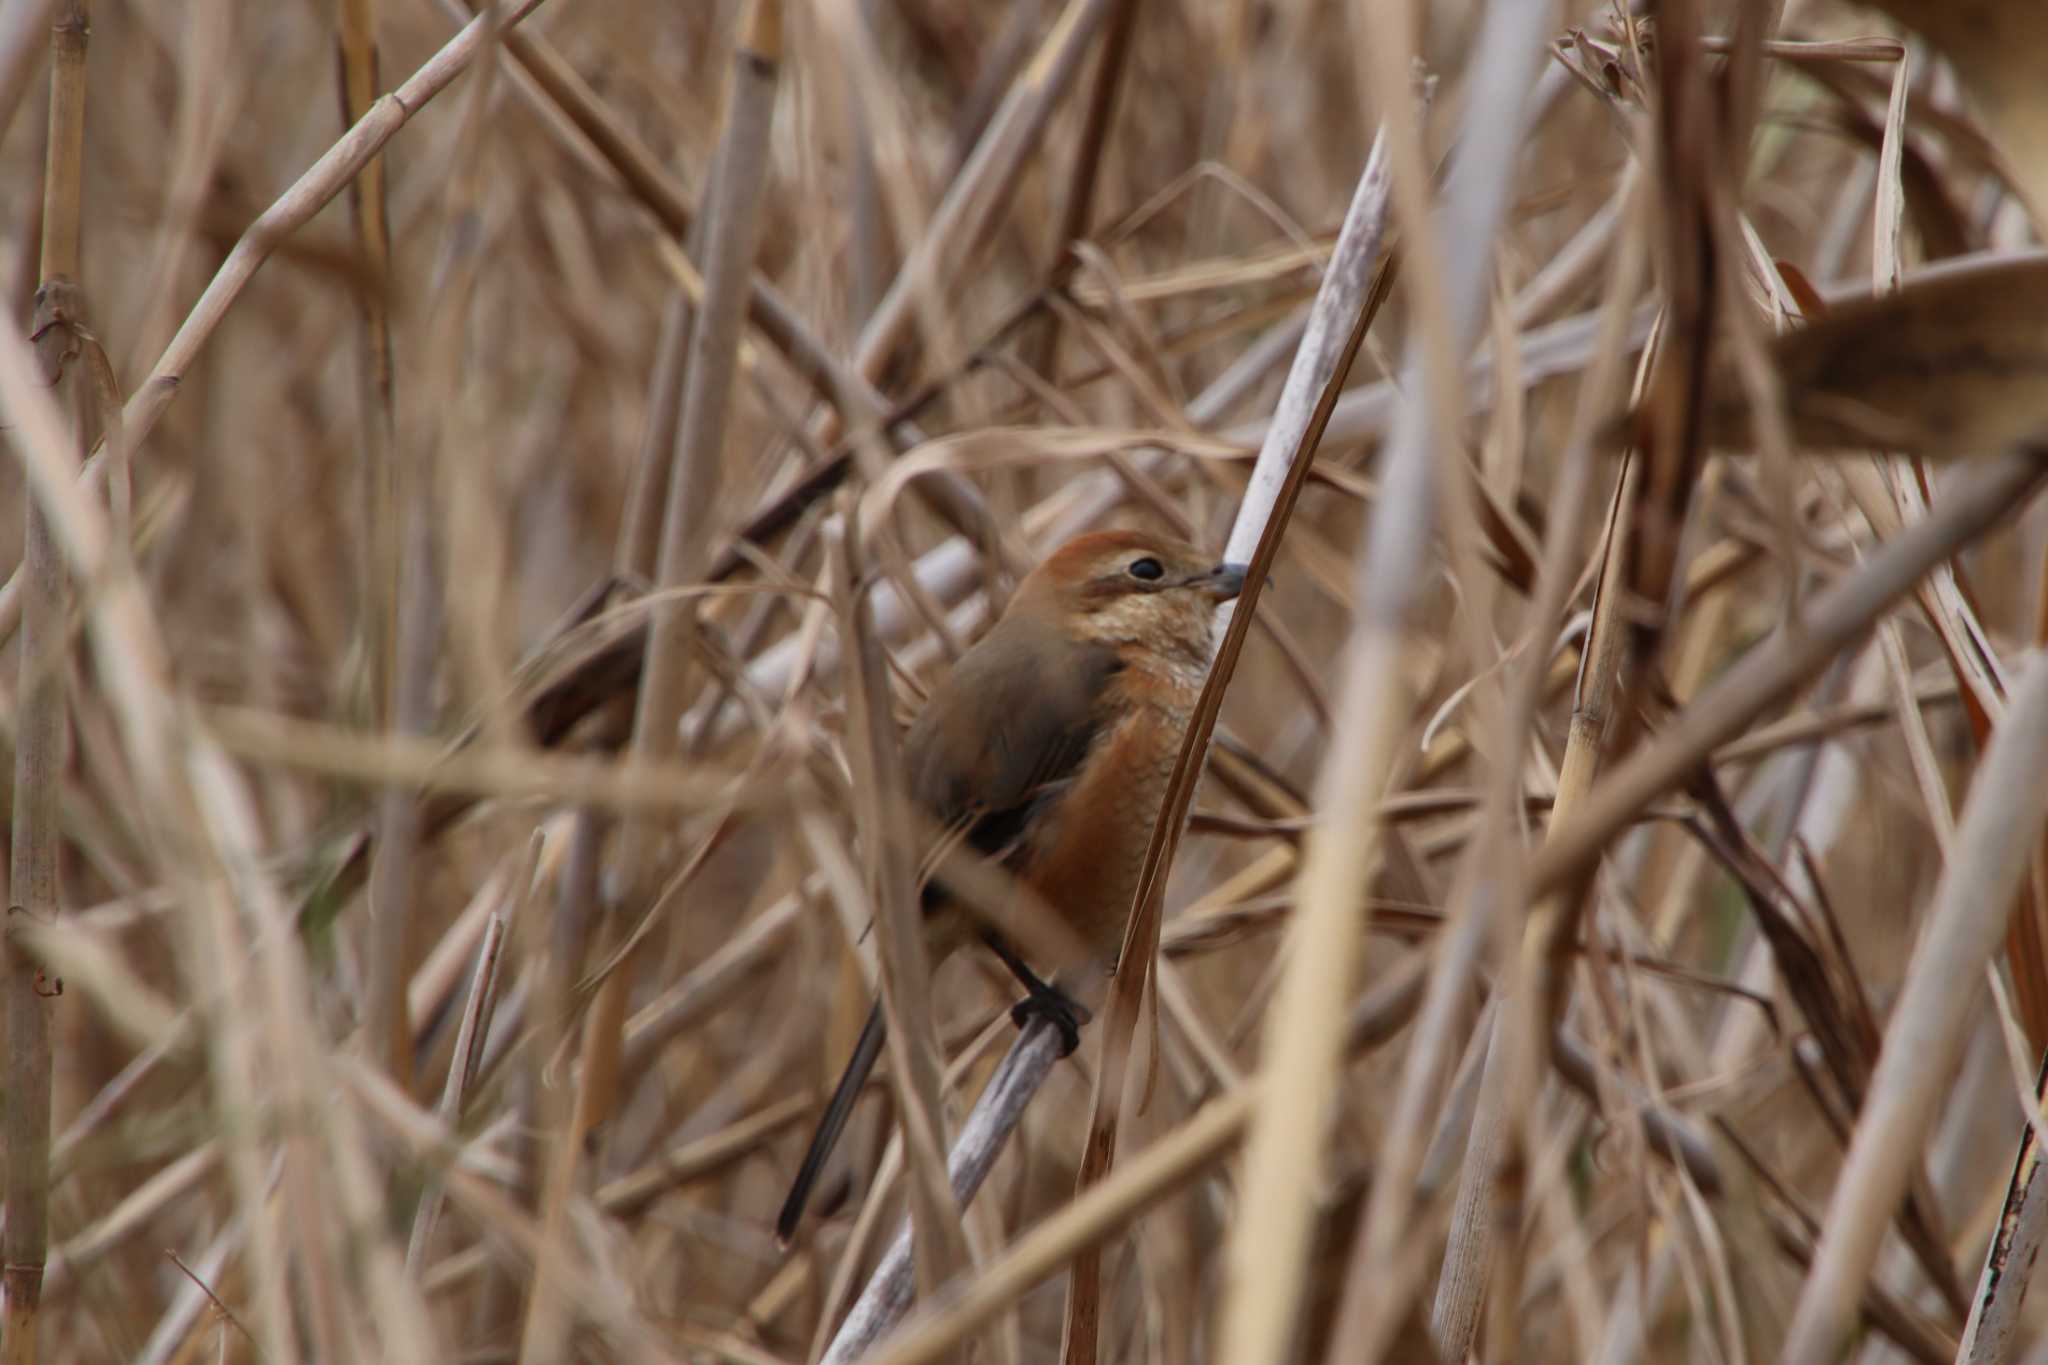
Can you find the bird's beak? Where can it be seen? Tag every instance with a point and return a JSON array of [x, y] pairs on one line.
[[1223, 582]]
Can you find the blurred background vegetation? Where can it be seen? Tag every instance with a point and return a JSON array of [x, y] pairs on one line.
[[276, 893]]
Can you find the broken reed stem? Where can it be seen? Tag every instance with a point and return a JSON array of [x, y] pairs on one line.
[[39, 716]]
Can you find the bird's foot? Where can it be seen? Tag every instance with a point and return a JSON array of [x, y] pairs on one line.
[[1057, 1009]]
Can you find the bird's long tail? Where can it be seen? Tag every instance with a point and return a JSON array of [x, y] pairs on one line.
[[866, 1053]]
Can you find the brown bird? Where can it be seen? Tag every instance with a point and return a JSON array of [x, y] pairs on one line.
[[1048, 750]]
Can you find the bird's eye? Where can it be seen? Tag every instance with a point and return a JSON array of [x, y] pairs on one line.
[[1147, 568]]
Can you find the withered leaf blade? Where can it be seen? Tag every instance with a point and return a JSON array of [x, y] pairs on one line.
[[2000, 50], [1953, 365]]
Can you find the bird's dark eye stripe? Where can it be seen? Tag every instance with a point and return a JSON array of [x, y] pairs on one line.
[[1148, 569]]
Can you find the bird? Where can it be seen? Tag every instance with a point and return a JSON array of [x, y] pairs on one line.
[[1047, 750]]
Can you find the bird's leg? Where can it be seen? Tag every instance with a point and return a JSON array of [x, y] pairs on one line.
[[1057, 1008], [1042, 998]]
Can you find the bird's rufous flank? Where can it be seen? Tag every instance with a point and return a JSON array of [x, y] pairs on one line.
[[1048, 749]]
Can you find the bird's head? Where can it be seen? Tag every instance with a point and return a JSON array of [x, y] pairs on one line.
[[1132, 590]]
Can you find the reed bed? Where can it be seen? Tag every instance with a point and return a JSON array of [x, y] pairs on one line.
[[492, 478]]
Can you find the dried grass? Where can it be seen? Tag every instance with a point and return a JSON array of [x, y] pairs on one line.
[[433, 991]]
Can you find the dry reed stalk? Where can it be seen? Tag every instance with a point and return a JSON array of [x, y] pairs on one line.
[[60, 341], [1992, 1332], [377, 424], [890, 878], [311, 192], [195, 803], [641, 172], [1077, 203], [689, 506], [1371, 1306], [411, 519], [238, 634], [1284, 1152], [640, 538], [1099, 1213], [580, 898], [693, 487], [963, 216], [1475, 1220], [887, 1295], [1489, 1198], [870, 246], [498, 772], [1767, 673], [198, 147], [2001, 823]]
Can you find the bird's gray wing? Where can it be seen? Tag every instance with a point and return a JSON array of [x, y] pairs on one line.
[[1003, 737]]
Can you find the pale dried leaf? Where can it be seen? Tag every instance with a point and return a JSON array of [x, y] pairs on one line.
[[1945, 367]]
